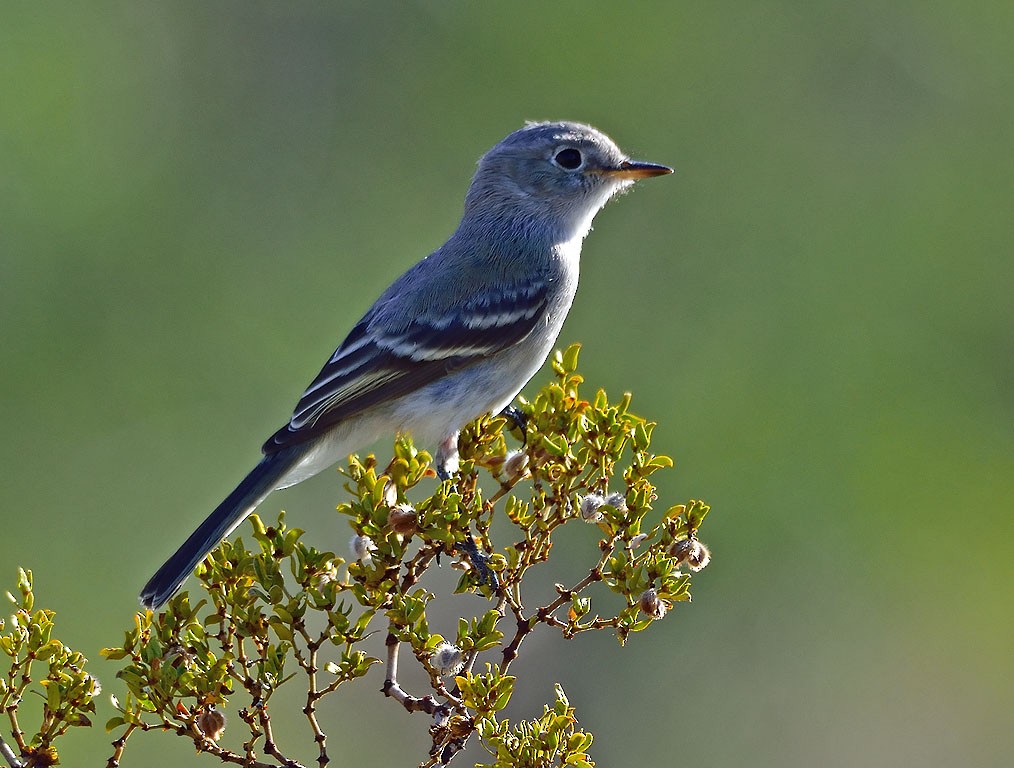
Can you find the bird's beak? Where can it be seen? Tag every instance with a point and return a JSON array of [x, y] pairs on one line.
[[633, 169]]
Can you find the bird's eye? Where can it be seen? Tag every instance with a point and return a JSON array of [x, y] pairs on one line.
[[569, 159]]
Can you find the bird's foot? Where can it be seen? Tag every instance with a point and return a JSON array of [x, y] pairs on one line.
[[519, 419], [480, 562], [446, 460]]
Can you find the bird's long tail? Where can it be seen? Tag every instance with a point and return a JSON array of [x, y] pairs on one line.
[[254, 488]]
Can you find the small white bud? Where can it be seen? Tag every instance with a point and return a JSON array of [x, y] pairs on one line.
[[681, 550], [327, 574], [590, 507], [617, 501], [447, 659], [402, 519], [652, 605], [699, 558], [515, 464], [212, 723], [391, 494], [362, 548], [638, 540], [692, 553]]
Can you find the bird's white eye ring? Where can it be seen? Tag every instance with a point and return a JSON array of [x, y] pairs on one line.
[[569, 159]]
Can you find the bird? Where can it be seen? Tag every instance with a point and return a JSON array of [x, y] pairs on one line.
[[456, 336]]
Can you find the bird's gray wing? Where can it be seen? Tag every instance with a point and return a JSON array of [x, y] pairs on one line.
[[381, 360]]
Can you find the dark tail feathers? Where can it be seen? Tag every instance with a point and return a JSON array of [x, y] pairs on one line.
[[241, 502]]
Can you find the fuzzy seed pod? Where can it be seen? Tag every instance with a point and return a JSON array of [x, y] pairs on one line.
[[447, 659], [681, 550], [212, 723], [515, 465], [391, 493], [699, 558], [328, 574], [692, 553], [362, 548], [617, 501], [402, 519], [652, 605], [590, 504]]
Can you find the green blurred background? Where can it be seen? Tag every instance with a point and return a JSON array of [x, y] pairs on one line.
[[198, 200]]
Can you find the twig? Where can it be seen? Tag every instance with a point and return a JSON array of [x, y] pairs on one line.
[[313, 695], [8, 754], [427, 704], [18, 690], [416, 567], [118, 746], [269, 740], [545, 615]]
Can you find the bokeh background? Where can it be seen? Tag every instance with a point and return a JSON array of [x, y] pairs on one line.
[[197, 201]]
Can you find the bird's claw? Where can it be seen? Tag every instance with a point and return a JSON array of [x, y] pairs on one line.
[[480, 562], [518, 418]]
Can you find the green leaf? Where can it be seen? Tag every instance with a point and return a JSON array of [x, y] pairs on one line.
[[49, 649], [52, 695], [569, 358], [659, 462], [502, 698], [554, 447]]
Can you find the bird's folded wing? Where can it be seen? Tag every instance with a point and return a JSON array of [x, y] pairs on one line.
[[381, 361]]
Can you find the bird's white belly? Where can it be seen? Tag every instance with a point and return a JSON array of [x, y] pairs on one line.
[[440, 409]]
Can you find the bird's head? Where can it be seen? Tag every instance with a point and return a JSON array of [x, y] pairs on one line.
[[556, 175]]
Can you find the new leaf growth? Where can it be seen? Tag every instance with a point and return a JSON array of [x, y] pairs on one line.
[[285, 613]]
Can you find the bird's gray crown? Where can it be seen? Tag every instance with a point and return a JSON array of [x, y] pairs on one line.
[[556, 175]]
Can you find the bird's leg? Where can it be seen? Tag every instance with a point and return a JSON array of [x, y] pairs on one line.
[[447, 457], [480, 561], [446, 465], [519, 419]]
